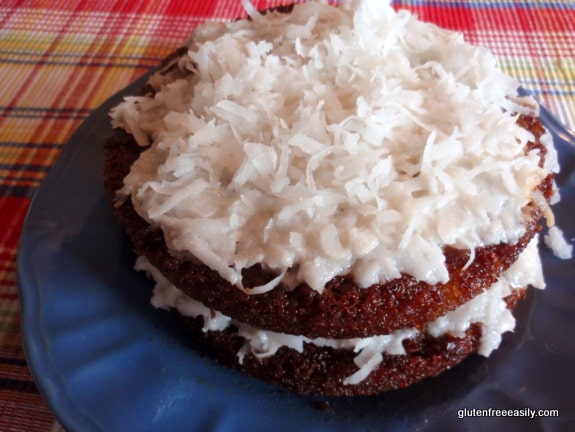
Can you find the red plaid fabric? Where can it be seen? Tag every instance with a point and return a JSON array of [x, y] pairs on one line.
[[60, 60]]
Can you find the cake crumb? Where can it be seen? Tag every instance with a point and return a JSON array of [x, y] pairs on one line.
[[324, 406]]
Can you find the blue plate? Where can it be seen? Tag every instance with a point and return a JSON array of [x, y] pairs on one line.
[[105, 360]]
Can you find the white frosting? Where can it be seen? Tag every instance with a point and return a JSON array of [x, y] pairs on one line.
[[332, 140], [489, 309]]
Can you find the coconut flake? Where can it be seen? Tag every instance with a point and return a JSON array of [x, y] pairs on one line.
[[251, 10], [265, 287], [555, 240], [544, 206]]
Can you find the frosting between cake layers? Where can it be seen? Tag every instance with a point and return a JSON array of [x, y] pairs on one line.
[[489, 309], [332, 140]]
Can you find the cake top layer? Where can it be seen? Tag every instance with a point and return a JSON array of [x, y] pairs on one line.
[[332, 140]]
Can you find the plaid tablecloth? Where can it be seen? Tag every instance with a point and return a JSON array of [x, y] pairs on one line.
[[59, 60]]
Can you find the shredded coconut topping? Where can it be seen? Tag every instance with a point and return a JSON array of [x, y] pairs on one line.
[[331, 140]]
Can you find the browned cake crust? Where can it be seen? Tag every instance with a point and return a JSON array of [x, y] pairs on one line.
[[321, 370]]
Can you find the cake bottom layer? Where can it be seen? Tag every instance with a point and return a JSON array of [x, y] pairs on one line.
[[355, 366], [322, 370]]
